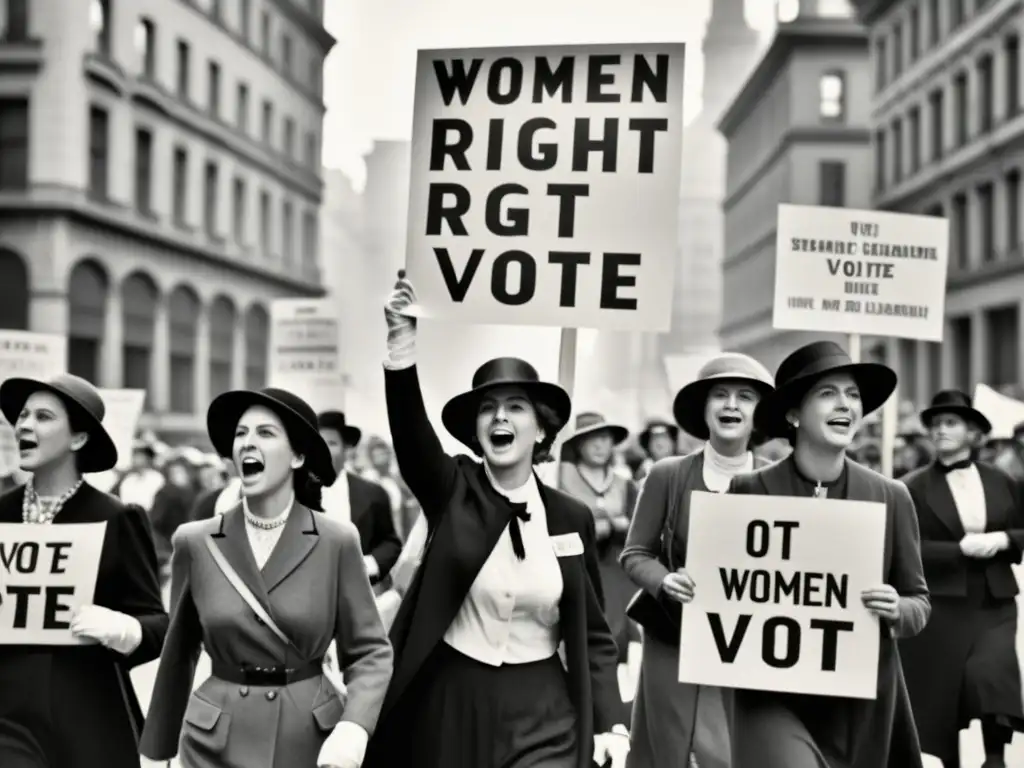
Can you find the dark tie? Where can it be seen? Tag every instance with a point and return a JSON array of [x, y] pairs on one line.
[[947, 468], [518, 513]]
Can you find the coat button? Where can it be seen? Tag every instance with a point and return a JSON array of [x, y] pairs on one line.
[[271, 695], [243, 691]]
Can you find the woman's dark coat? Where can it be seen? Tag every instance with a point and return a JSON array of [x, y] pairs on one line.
[[92, 714], [466, 517]]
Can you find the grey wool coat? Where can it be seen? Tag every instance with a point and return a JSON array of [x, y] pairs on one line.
[[315, 588]]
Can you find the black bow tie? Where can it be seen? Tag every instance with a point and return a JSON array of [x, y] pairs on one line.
[[518, 513], [947, 468]]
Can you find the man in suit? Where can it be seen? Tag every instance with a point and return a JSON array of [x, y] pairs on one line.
[[363, 503]]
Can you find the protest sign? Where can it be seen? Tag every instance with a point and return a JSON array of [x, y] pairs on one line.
[[544, 185], [29, 355], [124, 407], [871, 273], [305, 353], [1002, 411], [46, 573], [777, 600]]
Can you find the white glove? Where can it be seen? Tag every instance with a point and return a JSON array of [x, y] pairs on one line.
[[984, 545], [345, 747], [113, 629], [613, 746], [401, 328], [372, 567]]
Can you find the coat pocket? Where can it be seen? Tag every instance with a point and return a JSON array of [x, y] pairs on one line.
[[207, 725], [328, 714]]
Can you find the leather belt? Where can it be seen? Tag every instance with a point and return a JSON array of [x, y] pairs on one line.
[[247, 674]]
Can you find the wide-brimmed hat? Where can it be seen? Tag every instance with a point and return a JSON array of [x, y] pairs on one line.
[[656, 427], [350, 435], [956, 402], [798, 373], [689, 404], [298, 417], [591, 422], [83, 402], [459, 414]]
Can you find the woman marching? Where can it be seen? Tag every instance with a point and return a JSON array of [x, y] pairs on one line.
[[74, 705], [671, 720], [819, 403], [266, 588], [509, 572]]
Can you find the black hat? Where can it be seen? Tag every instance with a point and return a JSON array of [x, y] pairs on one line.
[[79, 397], [298, 417], [690, 402], [335, 420], [798, 373], [956, 402], [657, 427], [459, 414]]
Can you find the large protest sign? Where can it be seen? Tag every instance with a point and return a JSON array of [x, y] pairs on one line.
[[46, 573], [544, 185], [123, 410], [1003, 412], [777, 601], [860, 272], [305, 354], [31, 355]]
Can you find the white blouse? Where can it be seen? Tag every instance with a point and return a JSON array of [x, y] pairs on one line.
[[511, 614], [263, 540], [719, 470], [969, 496]]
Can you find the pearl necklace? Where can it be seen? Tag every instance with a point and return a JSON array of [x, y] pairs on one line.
[[265, 524], [41, 510]]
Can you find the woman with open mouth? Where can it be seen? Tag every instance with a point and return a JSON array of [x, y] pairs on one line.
[[820, 402], [74, 705], [672, 720], [266, 588], [509, 573]]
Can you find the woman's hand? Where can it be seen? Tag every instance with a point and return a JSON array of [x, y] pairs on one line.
[[679, 586], [984, 545], [113, 629], [402, 297], [883, 601]]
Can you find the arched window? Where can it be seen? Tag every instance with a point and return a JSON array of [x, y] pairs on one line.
[[14, 292], [222, 344], [183, 310], [87, 312], [832, 97], [138, 297], [257, 346]]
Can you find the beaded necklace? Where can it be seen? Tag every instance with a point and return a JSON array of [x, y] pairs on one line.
[[41, 510], [266, 524]]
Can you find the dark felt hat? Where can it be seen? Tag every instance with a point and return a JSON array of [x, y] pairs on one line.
[[809, 364], [657, 427], [690, 402], [459, 414], [298, 417], [80, 398], [591, 422], [350, 435], [956, 402]]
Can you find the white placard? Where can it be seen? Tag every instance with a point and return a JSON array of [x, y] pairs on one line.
[[46, 573], [1003, 412], [868, 272], [777, 600], [516, 215], [123, 409], [305, 351]]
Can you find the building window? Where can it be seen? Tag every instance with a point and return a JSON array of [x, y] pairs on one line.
[[880, 62], [289, 138], [286, 54], [257, 347], [957, 13], [897, 151], [961, 231], [268, 122], [265, 33], [934, 23], [936, 211], [265, 221], [914, 129], [183, 311], [315, 72], [87, 314], [937, 108], [961, 328], [832, 183], [1011, 48], [897, 50], [213, 97], [1013, 211], [222, 345], [99, 157], [211, 179], [960, 126], [14, 26], [245, 19], [914, 34], [217, 10], [1004, 346], [287, 231], [139, 299], [832, 96], [184, 65], [100, 23], [986, 94], [238, 210], [880, 160], [14, 144], [987, 221], [143, 170], [145, 47], [311, 238], [311, 159], [179, 196], [242, 107]]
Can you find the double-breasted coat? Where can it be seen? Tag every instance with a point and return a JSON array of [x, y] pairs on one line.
[[466, 517], [315, 589], [964, 664], [75, 705], [850, 733]]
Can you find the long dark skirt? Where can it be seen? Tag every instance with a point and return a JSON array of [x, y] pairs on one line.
[[466, 714], [963, 666], [618, 591]]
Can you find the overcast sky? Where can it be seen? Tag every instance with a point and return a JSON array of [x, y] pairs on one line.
[[369, 76]]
